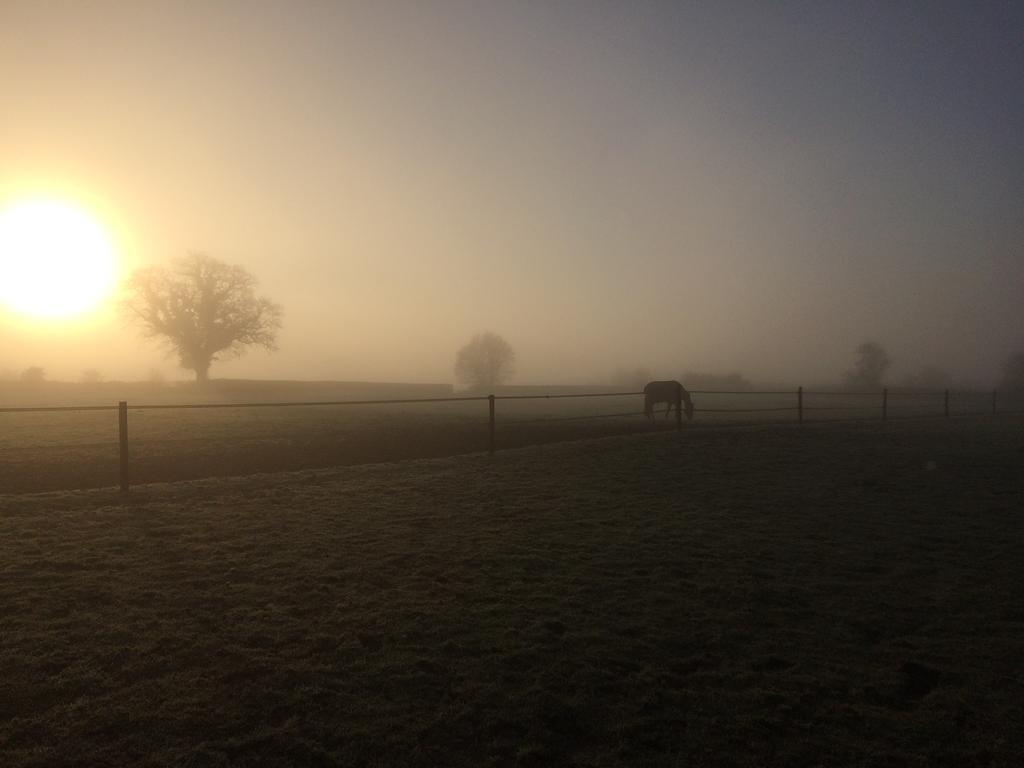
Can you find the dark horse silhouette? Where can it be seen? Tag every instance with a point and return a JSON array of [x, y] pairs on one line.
[[671, 392]]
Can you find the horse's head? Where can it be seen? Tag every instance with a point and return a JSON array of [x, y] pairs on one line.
[[687, 406]]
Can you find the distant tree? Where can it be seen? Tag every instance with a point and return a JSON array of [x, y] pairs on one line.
[[485, 361], [203, 309], [90, 376], [156, 376], [872, 362], [928, 377], [723, 382], [1013, 373], [632, 378], [33, 375]]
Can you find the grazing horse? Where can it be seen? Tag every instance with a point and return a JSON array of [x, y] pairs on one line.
[[671, 392]]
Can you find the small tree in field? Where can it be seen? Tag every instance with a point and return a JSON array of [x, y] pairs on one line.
[[485, 361], [872, 361], [203, 309], [33, 375]]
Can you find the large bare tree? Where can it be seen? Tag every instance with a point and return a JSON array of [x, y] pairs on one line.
[[203, 309], [485, 361]]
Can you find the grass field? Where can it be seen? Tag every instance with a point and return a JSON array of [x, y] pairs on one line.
[[51, 451], [831, 594], [64, 450]]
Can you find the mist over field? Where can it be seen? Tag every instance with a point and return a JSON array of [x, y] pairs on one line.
[[511, 383], [727, 187]]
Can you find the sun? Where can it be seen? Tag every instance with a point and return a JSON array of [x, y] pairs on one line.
[[55, 260]]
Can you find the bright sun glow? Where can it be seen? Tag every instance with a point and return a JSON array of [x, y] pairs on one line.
[[55, 261]]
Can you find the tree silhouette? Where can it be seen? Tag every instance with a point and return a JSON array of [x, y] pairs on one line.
[[33, 375], [203, 309], [872, 361], [485, 361]]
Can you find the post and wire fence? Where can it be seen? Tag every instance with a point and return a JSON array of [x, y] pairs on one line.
[[803, 405]]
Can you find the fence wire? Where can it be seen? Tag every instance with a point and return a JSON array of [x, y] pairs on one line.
[[789, 392], [743, 410], [558, 396], [59, 408], [545, 419], [298, 403], [841, 407], [858, 406], [837, 393]]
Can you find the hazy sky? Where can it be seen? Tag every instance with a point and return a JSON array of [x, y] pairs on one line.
[[713, 186]]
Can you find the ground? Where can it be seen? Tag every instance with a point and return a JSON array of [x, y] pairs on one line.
[[824, 594]]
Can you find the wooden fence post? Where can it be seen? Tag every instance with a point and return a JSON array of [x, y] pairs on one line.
[[885, 403], [800, 404], [679, 408], [490, 441], [946, 404], [122, 432]]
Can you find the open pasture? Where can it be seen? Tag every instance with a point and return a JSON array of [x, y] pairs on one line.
[[831, 594], [65, 450]]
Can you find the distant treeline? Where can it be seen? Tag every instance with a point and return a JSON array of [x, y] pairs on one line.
[[636, 378], [15, 394], [717, 382], [512, 390]]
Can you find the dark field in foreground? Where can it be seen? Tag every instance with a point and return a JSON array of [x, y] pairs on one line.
[[836, 594]]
